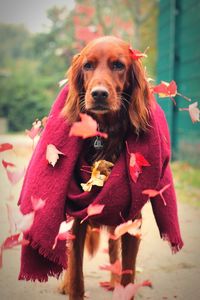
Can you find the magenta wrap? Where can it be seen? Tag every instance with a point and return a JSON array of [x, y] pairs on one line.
[[120, 195]]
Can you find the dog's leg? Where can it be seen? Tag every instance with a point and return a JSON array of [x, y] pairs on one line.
[[74, 276], [130, 246], [113, 250]]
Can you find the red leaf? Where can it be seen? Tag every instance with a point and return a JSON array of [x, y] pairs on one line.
[[52, 154], [7, 164], [115, 268], [63, 233], [137, 161], [35, 130], [153, 193], [5, 147], [165, 89], [16, 176], [136, 54], [37, 203], [13, 241], [87, 127], [132, 227], [93, 209]]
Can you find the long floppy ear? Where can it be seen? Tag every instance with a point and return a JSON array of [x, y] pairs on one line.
[[140, 98], [71, 108]]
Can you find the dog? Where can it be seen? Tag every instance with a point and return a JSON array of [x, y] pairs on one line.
[[108, 84]]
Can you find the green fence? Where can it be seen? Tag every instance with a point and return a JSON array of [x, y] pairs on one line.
[[179, 59]]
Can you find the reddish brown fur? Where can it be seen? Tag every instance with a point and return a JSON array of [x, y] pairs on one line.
[[129, 82]]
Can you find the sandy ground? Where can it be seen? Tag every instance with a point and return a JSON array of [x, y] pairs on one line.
[[173, 276]]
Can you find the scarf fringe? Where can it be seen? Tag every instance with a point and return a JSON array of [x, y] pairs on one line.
[[46, 253], [176, 245], [39, 277]]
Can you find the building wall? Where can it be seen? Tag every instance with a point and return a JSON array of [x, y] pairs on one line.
[[179, 59]]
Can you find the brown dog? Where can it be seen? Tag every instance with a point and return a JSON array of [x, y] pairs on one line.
[[108, 84]]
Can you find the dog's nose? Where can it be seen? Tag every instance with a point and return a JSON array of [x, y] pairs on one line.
[[99, 94]]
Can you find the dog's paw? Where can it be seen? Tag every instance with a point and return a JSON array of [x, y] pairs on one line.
[[63, 288]]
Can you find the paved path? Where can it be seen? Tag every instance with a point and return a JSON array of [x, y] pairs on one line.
[[173, 276]]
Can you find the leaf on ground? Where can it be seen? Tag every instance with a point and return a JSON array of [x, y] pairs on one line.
[[129, 291], [115, 268]]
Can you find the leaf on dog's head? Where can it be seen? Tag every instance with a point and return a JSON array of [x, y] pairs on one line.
[[52, 154], [87, 127], [136, 54]]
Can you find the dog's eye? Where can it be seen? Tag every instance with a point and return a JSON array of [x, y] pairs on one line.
[[118, 65], [88, 66]]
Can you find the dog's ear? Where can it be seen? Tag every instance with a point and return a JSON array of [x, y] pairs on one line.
[[139, 96], [71, 108]]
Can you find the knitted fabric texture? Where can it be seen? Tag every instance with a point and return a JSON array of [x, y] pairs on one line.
[[120, 195]]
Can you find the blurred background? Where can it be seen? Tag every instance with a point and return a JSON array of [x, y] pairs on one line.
[[37, 42]]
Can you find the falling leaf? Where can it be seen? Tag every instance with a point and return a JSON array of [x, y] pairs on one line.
[[193, 111], [136, 54], [35, 130], [9, 243], [19, 222], [93, 209], [62, 82], [132, 227], [129, 291], [115, 268], [165, 89], [137, 161], [7, 164], [52, 154], [154, 193], [64, 233], [13, 241], [87, 127], [5, 147], [101, 169], [16, 176], [37, 203]]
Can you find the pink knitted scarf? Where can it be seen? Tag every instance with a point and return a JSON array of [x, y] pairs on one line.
[[120, 195]]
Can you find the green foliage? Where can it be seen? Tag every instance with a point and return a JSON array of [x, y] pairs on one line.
[[31, 65], [187, 182], [24, 96]]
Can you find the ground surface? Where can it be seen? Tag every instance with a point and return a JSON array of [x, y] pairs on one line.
[[173, 276]]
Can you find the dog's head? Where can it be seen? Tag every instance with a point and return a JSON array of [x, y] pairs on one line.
[[104, 79]]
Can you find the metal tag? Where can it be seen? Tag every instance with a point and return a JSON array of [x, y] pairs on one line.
[[98, 143]]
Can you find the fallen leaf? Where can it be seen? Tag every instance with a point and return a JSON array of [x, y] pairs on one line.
[[154, 193], [37, 203], [87, 127], [64, 233], [137, 161], [52, 154], [5, 147], [132, 227], [93, 209]]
